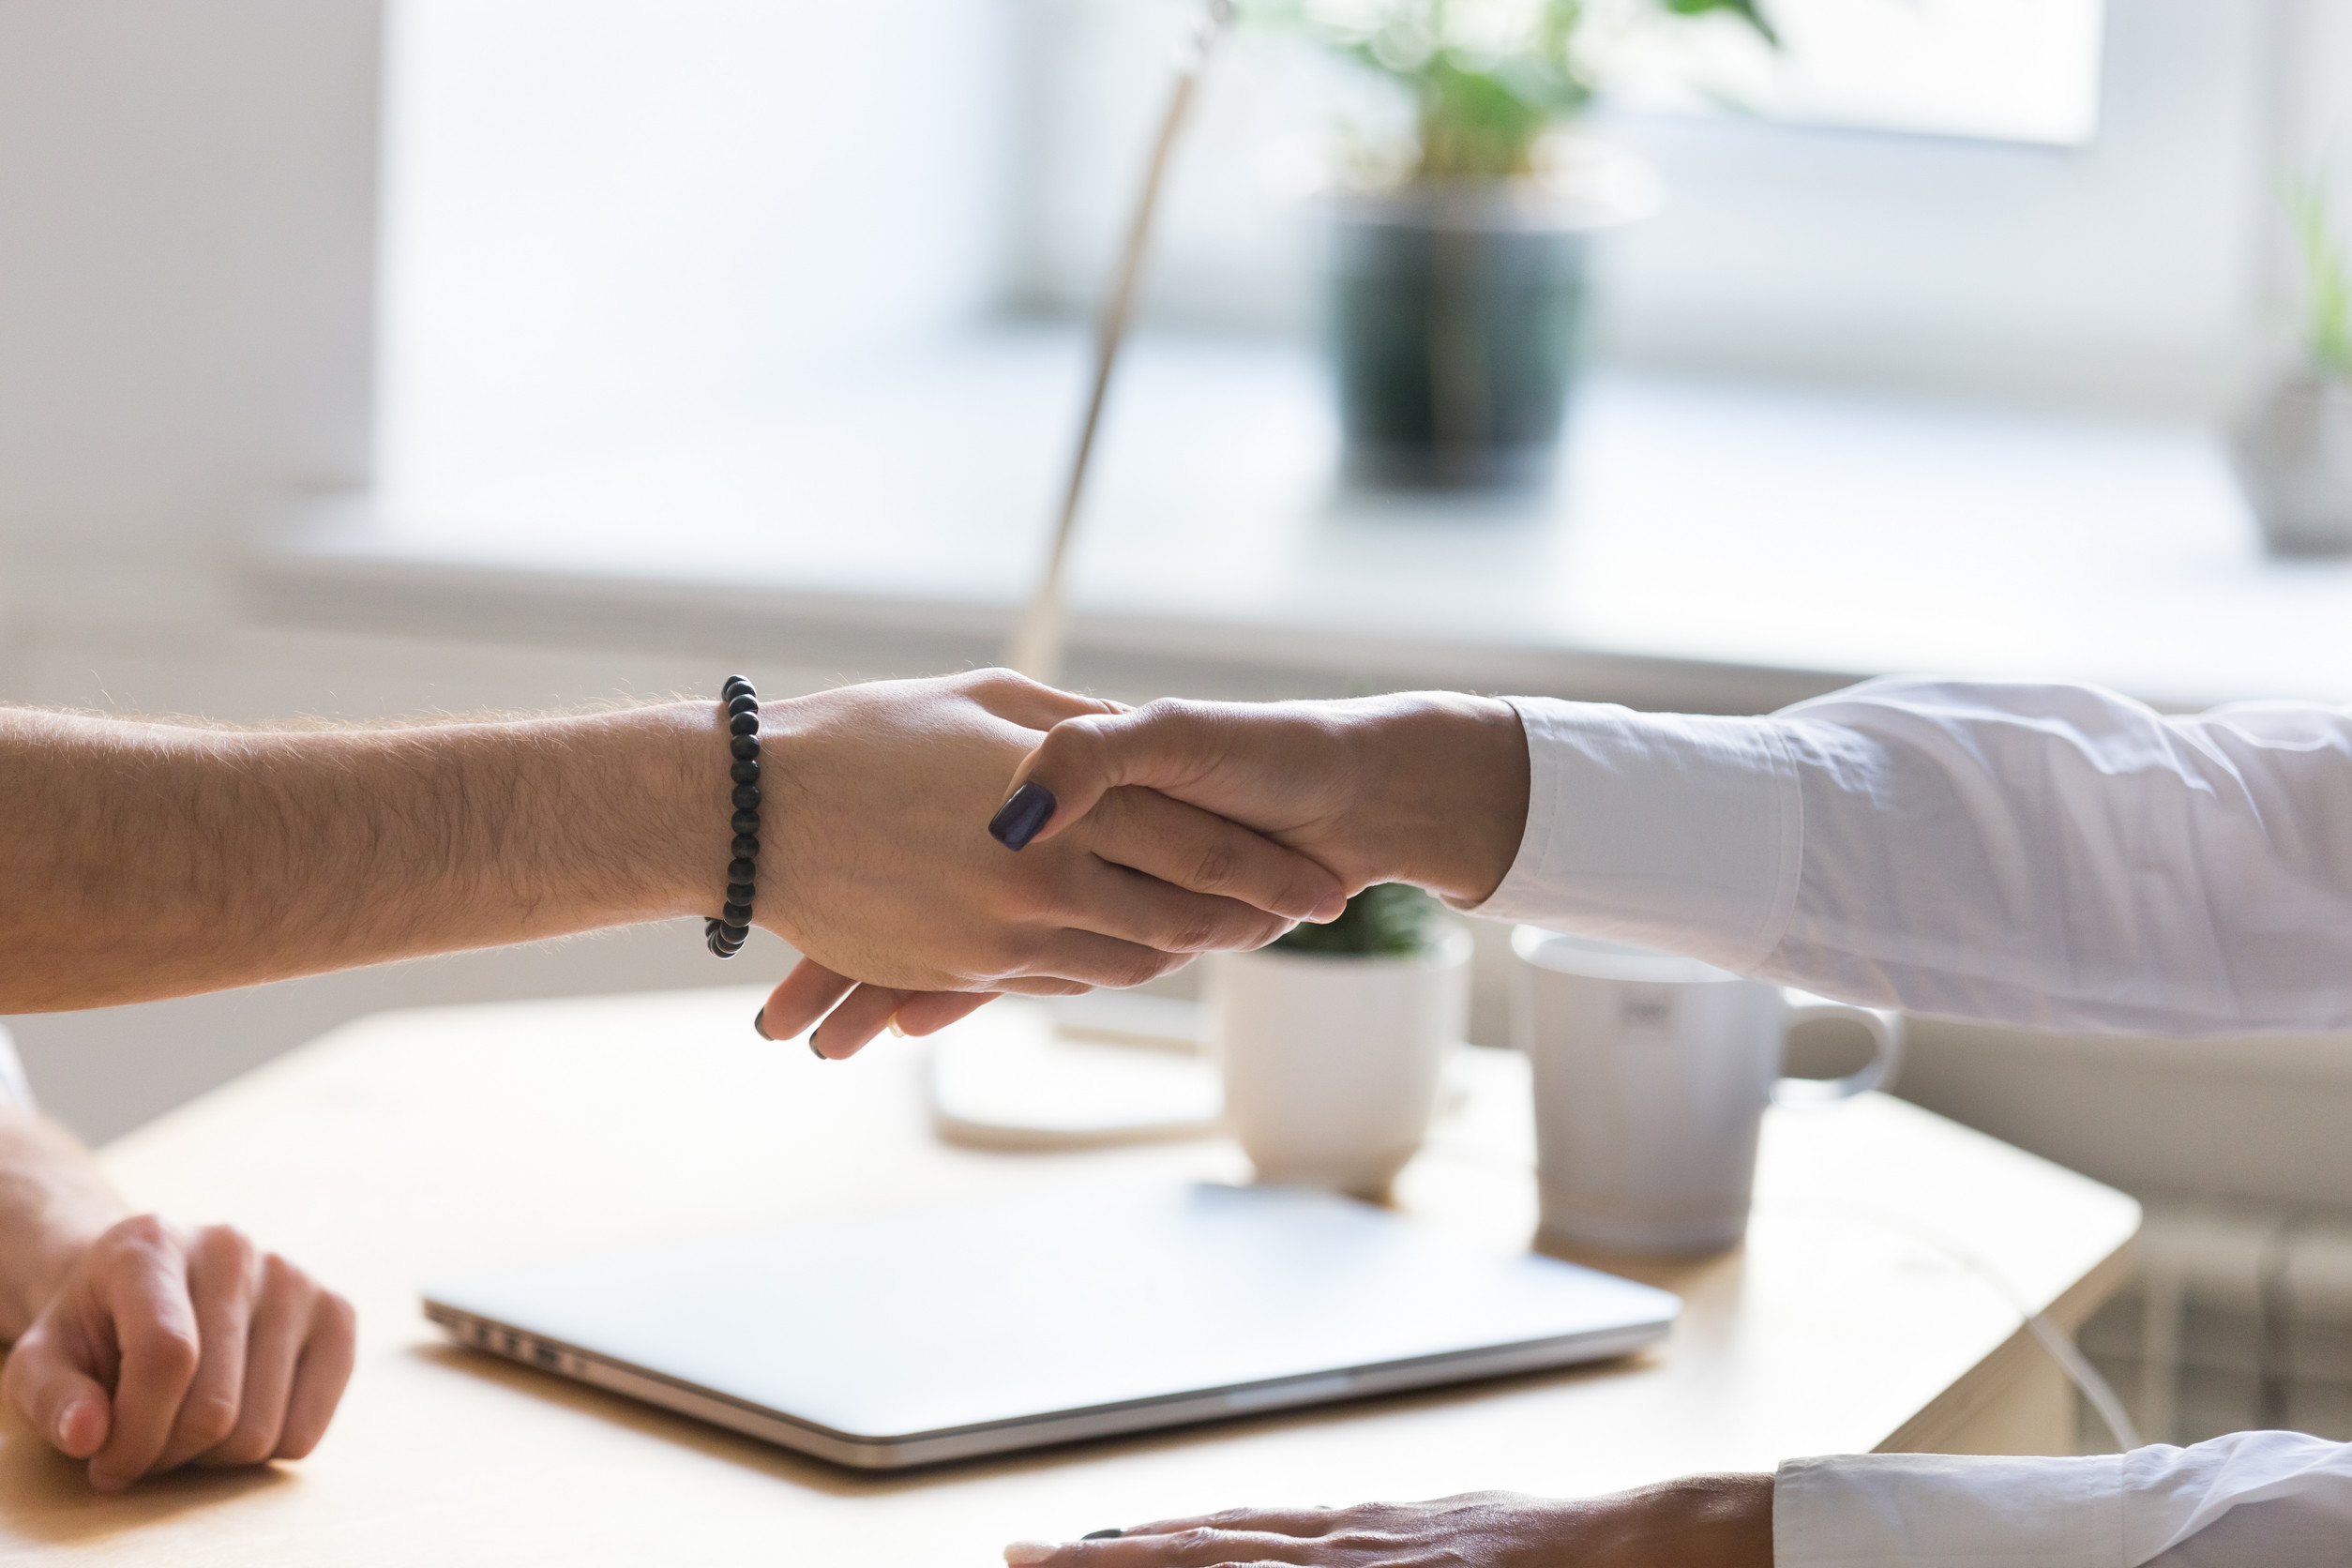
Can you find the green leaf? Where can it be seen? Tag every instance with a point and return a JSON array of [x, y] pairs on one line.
[[1747, 11], [2326, 278], [1480, 114]]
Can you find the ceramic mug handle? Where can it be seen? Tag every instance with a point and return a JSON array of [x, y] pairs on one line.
[[1886, 1031]]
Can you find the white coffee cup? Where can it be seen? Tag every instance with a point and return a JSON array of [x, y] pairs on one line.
[[1332, 1061], [1652, 1075]]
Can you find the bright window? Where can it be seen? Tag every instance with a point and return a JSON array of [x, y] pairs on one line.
[[2002, 70]]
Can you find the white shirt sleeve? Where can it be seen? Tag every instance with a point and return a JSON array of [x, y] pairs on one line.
[[2052, 856], [2034, 855], [2256, 1500]]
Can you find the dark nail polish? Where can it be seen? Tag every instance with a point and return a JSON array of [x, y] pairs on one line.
[[759, 1024], [1102, 1535], [815, 1053], [1019, 819]]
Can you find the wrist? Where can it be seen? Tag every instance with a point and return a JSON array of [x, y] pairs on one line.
[[1720, 1521], [1447, 777], [54, 1205], [684, 780], [36, 1274]]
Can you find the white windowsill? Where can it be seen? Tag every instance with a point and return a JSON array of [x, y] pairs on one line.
[[1717, 545]]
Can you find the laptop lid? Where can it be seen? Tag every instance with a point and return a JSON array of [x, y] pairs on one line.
[[914, 1338]]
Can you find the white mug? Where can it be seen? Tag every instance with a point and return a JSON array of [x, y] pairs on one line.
[[1652, 1075], [1332, 1061]]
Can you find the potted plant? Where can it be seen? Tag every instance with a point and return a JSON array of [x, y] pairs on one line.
[[1458, 268], [1331, 1041], [2295, 451]]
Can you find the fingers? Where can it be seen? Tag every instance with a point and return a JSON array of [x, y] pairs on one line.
[[320, 1376], [1198, 1545], [1015, 697], [806, 994], [1268, 1521], [155, 1324], [1142, 911], [871, 1009], [223, 1273], [287, 1314], [1161, 746], [849, 1027], [58, 1398], [1197, 851], [928, 1012], [1072, 961]]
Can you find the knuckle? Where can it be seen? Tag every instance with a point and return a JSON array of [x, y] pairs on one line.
[[1214, 866], [226, 1245], [208, 1418], [1195, 1537], [247, 1446], [1149, 966], [1074, 743], [336, 1312], [173, 1352], [1003, 957], [143, 1232], [1192, 933]]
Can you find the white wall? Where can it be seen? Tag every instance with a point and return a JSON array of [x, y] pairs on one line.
[[608, 217], [187, 266]]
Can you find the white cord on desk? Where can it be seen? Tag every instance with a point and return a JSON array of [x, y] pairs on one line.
[[2061, 1348]]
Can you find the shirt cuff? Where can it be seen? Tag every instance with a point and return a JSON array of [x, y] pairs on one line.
[[1947, 1511], [1662, 830]]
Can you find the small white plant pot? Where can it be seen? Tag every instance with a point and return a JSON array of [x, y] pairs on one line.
[[2294, 456], [1332, 1061]]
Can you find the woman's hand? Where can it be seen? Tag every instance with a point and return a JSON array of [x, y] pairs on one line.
[[166, 1345], [1720, 1521], [874, 866], [1427, 787]]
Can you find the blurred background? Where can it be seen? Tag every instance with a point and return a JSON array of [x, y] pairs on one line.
[[362, 357]]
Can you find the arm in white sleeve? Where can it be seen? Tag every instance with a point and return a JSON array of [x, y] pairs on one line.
[[2047, 855], [2256, 1500]]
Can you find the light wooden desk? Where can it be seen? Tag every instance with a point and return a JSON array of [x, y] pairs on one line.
[[413, 1145]]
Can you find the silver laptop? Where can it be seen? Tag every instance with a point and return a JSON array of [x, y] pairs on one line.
[[914, 1339]]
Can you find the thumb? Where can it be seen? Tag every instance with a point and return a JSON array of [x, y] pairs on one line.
[[58, 1398], [1162, 746]]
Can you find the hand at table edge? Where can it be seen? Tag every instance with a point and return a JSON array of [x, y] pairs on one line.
[[169, 1345]]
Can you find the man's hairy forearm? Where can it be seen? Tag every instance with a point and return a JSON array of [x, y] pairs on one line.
[[142, 860]]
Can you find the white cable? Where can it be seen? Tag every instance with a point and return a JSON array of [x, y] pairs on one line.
[[2063, 1349]]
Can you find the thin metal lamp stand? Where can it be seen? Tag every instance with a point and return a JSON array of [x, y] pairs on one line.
[[1036, 647]]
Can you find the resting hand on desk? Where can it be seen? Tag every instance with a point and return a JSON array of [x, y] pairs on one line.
[[142, 1346], [1719, 1521]]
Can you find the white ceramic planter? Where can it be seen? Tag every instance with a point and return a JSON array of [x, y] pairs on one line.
[[1331, 1062], [2295, 459]]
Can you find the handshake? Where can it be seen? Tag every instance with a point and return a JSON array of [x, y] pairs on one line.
[[1119, 842], [926, 844]]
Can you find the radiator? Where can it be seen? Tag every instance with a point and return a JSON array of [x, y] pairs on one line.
[[2239, 1317]]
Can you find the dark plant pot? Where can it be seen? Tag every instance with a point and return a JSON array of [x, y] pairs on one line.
[[1456, 314]]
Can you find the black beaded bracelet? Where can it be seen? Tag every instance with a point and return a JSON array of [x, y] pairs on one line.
[[727, 931]]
